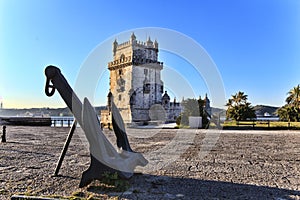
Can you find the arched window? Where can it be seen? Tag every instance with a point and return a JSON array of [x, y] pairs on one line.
[[133, 98], [122, 57]]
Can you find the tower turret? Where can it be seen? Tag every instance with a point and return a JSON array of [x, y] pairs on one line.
[[155, 44], [133, 38], [166, 100], [207, 104], [115, 45], [149, 42]]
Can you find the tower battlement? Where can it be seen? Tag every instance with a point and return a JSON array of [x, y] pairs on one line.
[[141, 44], [135, 43], [134, 52]]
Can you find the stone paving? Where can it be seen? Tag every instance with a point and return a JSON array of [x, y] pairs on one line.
[[183, 164]]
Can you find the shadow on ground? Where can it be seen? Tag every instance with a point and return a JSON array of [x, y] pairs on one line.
[[164, 187], [259, 128]]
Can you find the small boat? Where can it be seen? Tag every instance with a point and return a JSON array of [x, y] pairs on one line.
[[26, 121]]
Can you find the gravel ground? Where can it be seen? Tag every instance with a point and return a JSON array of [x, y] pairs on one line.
[[183, 164]]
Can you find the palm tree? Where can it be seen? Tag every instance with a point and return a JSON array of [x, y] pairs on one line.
[[291, 110], [239, 98], [294, 96], [282, 112], [238, 107], [229, 103]]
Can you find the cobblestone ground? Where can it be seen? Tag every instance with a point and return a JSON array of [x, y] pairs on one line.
[[183, 164]]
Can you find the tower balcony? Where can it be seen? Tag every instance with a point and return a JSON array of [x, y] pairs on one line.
[[122, 62], [126, 61]]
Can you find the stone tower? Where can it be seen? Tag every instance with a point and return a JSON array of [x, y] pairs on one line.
[[135, 78]]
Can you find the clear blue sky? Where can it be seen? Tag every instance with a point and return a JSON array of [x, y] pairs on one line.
[[255, 44]]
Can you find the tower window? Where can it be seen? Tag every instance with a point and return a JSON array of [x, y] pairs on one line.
[[120, 97], [120, 72], [161, 88], [122, 57], [146, 88]]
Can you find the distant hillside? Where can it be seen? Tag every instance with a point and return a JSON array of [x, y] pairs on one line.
[[217, 110], [42, 111], [260, 110]]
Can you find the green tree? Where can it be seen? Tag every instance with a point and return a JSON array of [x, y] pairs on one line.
[[294, 97], [203, 113], [239, 108], [193, 107], [291, 110], [190, 108]]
